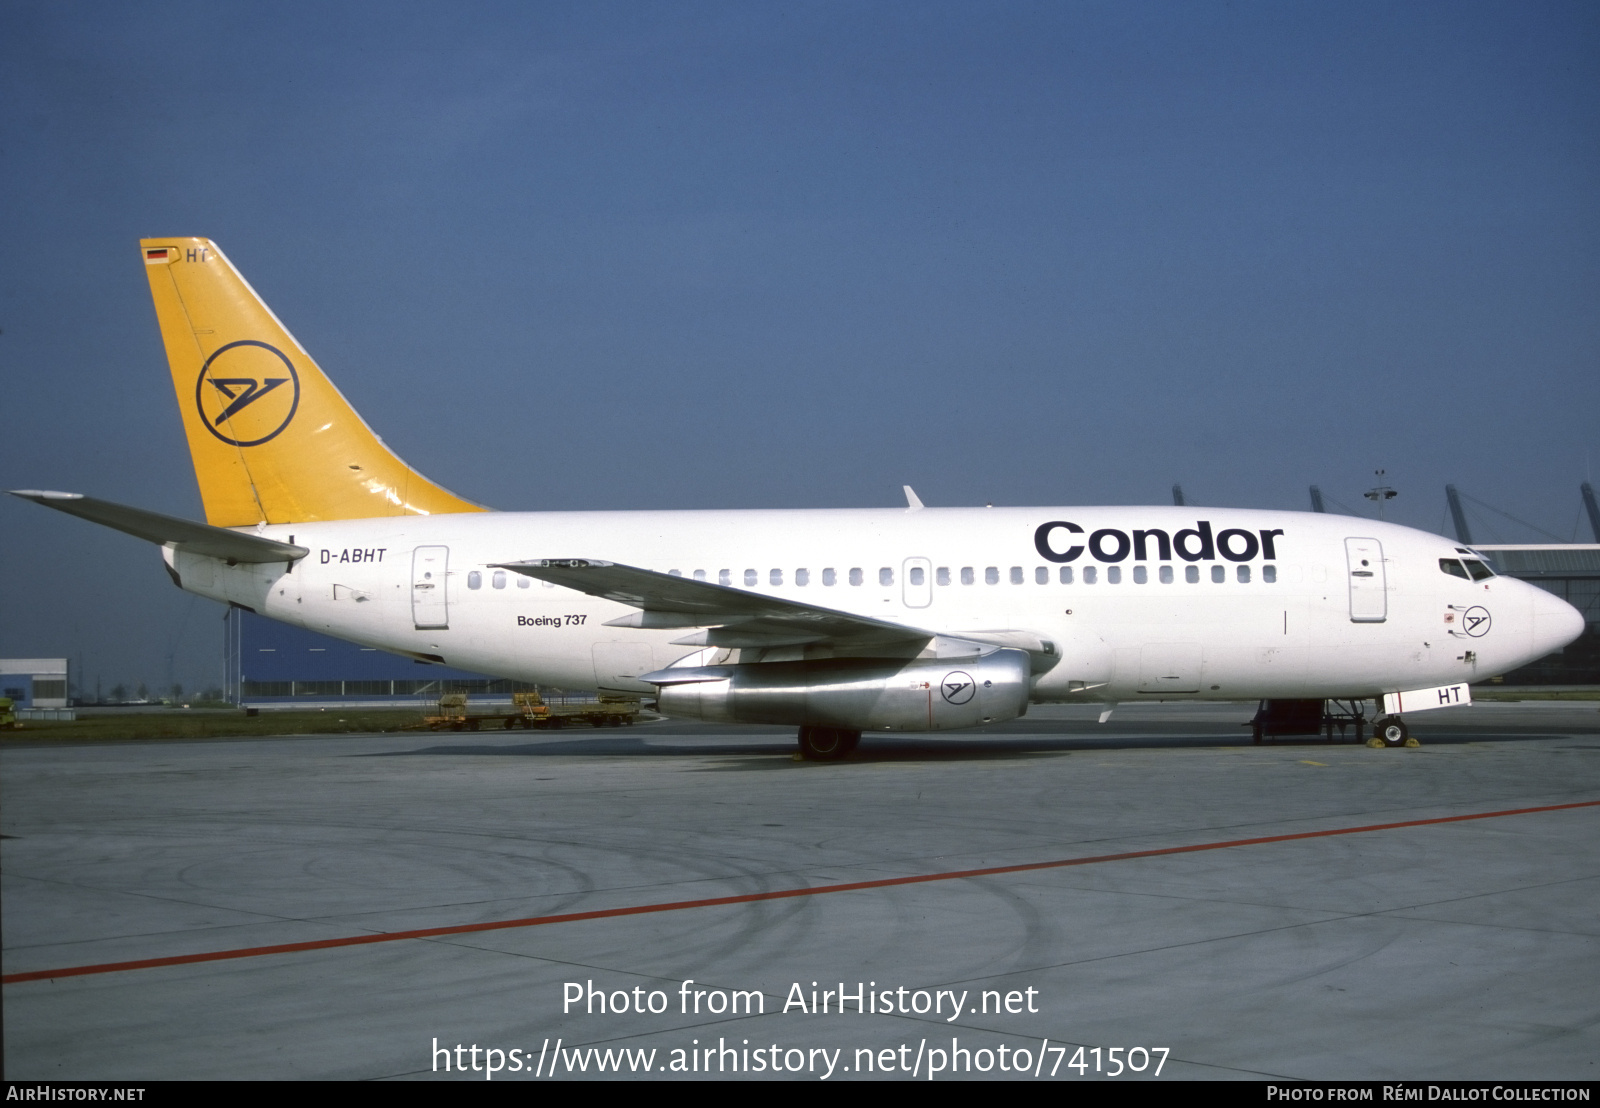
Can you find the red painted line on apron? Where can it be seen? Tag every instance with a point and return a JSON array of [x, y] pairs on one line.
[[748, 898]]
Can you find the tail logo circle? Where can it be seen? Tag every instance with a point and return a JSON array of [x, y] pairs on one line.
[[241, 395]]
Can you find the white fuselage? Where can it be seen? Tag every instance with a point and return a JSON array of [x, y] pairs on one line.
[[1287, 619]]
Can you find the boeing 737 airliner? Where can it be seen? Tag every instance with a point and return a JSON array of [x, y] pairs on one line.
[[836, 622]]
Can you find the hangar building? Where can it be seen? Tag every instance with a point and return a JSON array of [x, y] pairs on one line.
[[34, 682], [267, 664]]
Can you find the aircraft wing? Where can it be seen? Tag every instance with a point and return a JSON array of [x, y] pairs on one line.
[[195, 538], [732, 617]]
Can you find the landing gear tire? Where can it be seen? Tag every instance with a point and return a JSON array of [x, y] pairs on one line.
[[827, 744], [1392, 730]]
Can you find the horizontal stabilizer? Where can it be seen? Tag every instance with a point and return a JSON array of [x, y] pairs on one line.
[[193, 538], [735, 617]]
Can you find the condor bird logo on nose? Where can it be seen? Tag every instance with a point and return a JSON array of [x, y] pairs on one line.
[[240, 396], [957, 687]]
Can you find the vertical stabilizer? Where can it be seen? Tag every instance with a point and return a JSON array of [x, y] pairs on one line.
[[271, 438]]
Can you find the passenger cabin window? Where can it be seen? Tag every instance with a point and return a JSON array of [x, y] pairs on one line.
[[522, 583], [1089, 575], [1113, 575], [1244, 575], [1166, 575], [942, 575], [856, 576], [724, 576], [966, 575], [886, 576], [474, 580], [775, 577], [750, 578], [499, 579], [1191, 574], [991, 575], [802, 577], [1479, 571], [918, 575], [829, 577], [1140, 575], [699, 575], [1219, 574], [1269, 574], [1016, 575], [674, 573], [1066, 575], [1041, 575]]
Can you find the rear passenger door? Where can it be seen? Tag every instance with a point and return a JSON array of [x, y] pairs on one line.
[[430, 604]]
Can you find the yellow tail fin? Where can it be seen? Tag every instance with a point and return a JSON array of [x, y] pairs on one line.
[[272, 439]]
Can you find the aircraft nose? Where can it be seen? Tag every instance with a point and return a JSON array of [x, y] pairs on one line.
[[1555, 622]]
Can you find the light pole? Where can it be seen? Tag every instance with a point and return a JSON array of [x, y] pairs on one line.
[[1381, 493]]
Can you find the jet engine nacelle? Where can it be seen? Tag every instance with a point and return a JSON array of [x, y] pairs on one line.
[[866, 694]]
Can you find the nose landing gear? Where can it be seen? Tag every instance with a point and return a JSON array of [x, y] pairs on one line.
[[1391, 731]]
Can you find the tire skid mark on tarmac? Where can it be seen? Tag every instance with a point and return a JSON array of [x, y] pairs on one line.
[[749, 898]]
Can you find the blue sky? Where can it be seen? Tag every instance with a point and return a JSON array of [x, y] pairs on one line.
[[643, 255]]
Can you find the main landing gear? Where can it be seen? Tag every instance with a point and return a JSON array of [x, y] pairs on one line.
[[827, 744]]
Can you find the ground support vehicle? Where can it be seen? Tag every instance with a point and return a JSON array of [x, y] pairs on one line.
[[607, 711], [530, 710]]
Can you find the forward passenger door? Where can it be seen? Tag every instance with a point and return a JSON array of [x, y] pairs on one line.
[[1369, 590]]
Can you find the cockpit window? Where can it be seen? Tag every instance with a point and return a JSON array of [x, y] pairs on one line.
[[1453, 568], [1479, 571]]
